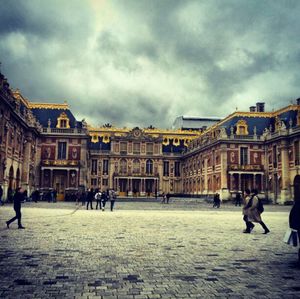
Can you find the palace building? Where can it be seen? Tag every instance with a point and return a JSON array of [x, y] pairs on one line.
[[44, 147]]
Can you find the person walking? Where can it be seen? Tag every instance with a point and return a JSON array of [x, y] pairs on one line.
[[54, 195], [83, 197], [112, 198], [168, 196], [249, 225], [294, 221], [98, 199], [103, 200], [18, 198], [253, 212], [89, 199], [238, 199], [35, 195], [217, 201], [164, 197]]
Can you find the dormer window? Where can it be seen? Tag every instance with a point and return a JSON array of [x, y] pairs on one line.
[[242, 127], [63, 121]]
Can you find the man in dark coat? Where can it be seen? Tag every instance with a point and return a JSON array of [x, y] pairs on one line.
[[18, 198], [89, 199], [294, 220]]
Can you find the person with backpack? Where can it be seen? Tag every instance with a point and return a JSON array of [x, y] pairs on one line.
[[98, 199], [254, 210], [294, 221]]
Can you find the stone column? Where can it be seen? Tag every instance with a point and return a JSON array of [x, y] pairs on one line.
[[42, 178], [285, 193], [68, 179], [224, 192], [26, 162], [51, 178], [240, 182], [143, 187], [160, 173]]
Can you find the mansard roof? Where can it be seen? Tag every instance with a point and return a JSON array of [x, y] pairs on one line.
[[45, 112], [259, 121]]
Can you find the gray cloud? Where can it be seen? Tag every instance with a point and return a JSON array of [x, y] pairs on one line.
[[136, 63]]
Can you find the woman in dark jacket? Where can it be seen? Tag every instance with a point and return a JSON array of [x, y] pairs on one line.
[[294, 220]]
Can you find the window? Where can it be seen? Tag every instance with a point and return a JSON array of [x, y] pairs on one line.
[[136, 148], [105, 166], [123, 166], [275, 156], [297, 153], [94, 166], [63, 123], [149, 148], [177, 168], [94, 182], [149, 167], [123, 147], [136, 166], [104, 182], [244, 155], [62, 151], [166, 168]]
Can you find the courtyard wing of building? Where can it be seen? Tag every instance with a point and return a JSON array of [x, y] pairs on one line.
[[44, 146]]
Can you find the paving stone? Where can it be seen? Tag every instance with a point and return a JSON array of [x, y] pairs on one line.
[[183, 250]]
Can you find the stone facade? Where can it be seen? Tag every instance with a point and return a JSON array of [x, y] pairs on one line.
[[44, 146]]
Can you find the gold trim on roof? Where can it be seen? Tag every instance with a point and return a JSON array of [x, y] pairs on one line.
[[153, 132], [64, 106]]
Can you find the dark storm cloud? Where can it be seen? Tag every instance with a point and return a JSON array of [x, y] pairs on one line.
[[141, 63], [146, 112]]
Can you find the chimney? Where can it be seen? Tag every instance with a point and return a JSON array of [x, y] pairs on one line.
[[298, 101], [252, 108], [260, 107]]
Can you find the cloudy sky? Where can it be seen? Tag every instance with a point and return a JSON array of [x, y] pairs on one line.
[[141, 63]]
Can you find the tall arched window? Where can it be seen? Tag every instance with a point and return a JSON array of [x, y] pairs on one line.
[[123, 166], [136, 166], [149, 166]]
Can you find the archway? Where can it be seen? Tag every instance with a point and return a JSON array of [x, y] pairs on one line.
[[18, 176], [297, 188], [10, 184], [11, 178]]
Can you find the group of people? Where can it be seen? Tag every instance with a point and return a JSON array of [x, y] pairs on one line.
[[101, 197], [165, 197]]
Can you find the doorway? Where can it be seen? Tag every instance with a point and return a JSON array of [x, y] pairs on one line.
[[60, 183], [136, 187]]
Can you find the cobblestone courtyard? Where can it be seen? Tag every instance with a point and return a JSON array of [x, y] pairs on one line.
[[145, 250]]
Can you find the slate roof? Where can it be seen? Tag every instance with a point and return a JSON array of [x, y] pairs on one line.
[[44, 114], [260, 120]]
